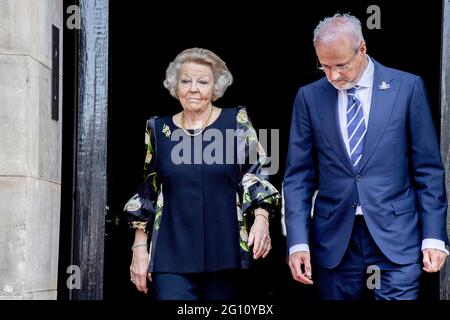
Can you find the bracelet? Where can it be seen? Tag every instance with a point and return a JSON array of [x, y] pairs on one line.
[[138, 245], [142, 225], [260, 214]]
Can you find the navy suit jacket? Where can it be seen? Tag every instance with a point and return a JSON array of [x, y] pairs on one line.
[[399, 181]]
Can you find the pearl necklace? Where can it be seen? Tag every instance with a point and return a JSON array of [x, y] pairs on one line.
[[201, 129]]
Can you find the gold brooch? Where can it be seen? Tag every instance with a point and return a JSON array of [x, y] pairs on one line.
[[166, 130]]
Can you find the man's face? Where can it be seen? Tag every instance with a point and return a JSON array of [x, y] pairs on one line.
[[342, 64]]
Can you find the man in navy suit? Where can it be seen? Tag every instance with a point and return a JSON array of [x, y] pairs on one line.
[[363, 136]]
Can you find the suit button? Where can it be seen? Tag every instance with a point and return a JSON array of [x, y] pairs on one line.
[[354, 205], [358, 178]]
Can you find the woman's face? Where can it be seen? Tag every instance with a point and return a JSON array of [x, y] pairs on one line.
[[195, 86]]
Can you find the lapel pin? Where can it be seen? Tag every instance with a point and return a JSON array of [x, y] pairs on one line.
[[384, 86]]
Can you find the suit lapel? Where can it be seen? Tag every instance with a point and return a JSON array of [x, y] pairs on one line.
[[327, 103], [380, 110]]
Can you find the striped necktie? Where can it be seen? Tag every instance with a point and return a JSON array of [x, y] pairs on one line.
[[356, 126]]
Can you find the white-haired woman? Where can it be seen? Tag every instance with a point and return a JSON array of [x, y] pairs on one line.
[[196, 194]]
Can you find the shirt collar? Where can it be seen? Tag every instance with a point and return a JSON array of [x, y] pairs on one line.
[[366, 80]]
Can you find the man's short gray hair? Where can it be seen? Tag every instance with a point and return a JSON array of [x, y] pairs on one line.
[[330, 28], [222, 76]]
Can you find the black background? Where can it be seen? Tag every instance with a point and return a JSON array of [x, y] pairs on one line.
[[268, 48]]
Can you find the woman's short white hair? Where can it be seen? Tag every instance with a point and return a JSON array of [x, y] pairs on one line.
[[222, 76], [330, 28]]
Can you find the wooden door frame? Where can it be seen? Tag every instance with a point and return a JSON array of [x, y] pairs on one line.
[[445, 129], [91, 148]]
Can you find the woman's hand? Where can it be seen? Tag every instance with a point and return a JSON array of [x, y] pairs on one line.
[[139, 268], [259, 234], [139, 263]]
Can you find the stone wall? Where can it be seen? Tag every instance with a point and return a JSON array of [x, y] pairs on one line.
[[30, 150]]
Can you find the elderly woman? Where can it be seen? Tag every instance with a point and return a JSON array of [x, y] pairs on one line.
[[197, 191]]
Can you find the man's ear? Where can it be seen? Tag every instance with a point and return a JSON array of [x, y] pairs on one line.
[[363, 48]]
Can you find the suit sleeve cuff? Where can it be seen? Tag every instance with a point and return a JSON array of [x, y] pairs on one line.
[[298, 247], [434, 244]]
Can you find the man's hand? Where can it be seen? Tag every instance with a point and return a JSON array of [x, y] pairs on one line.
[[433, 260], [296, 260]]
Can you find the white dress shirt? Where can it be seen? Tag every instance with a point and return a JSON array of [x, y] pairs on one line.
[[364, 94]]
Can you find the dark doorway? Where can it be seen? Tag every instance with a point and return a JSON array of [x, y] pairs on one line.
[[268, 48], [69, 121]]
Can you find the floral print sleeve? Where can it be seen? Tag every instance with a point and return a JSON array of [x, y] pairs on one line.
[[255, 191], [145, 206]]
